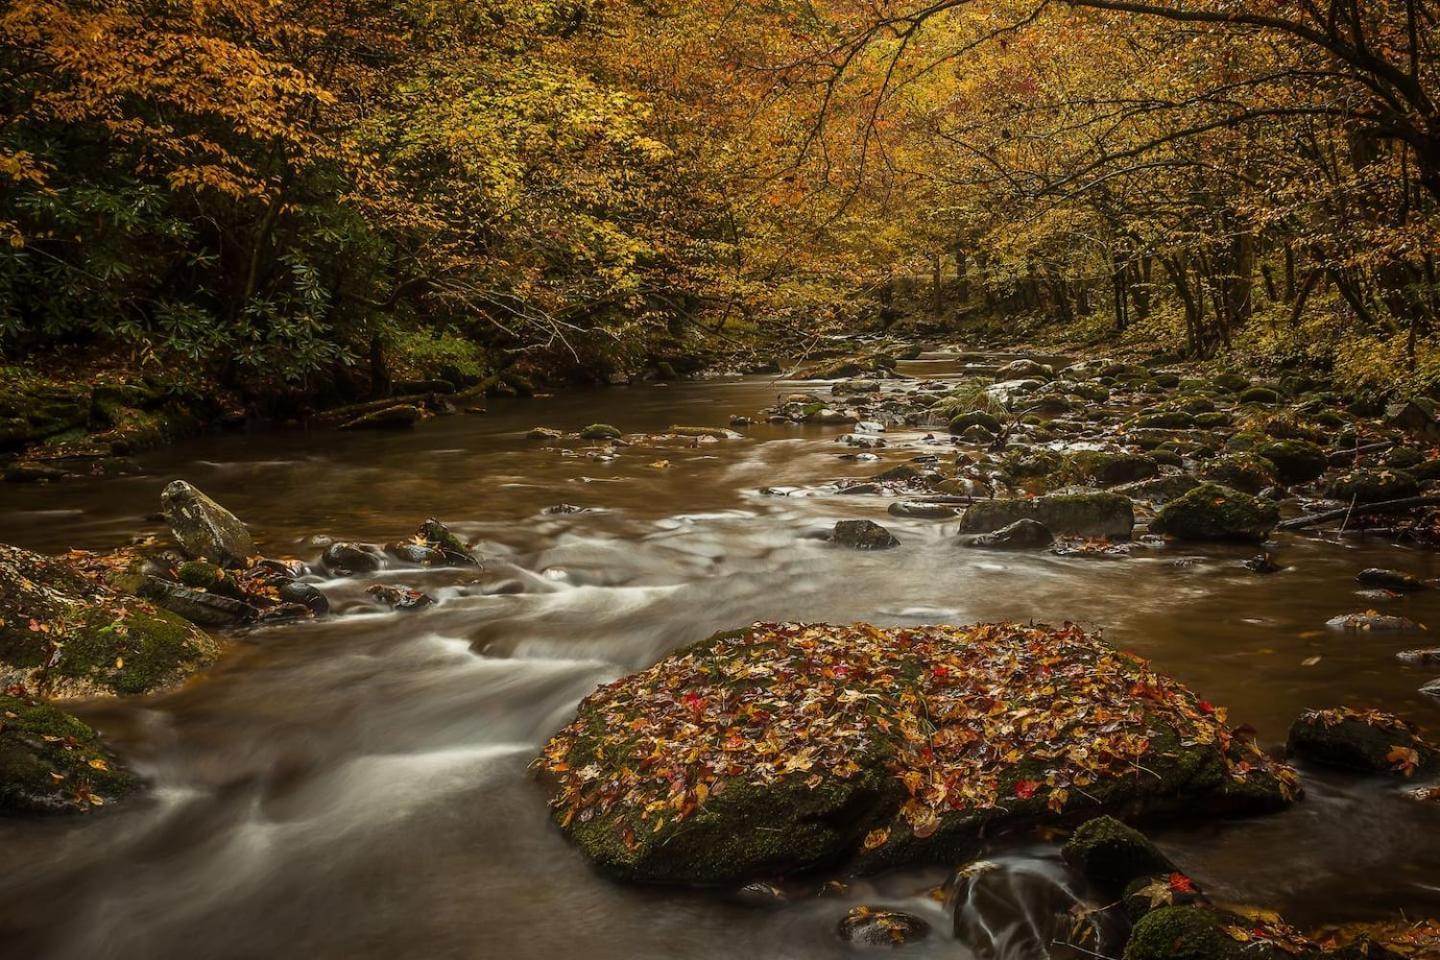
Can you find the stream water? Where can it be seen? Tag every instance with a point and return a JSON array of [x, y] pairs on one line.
[[357, 787]]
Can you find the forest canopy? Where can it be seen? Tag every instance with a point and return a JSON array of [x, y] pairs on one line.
[[279, 190]]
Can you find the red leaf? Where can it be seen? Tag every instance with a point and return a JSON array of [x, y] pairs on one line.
[[1025, 789], [1181, 883]]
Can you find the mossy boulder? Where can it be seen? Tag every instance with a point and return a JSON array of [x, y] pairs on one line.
[[975, 418], [1365, 741], [65, 635], [1184, 933], [784, 748], [600, 431], [1164, 420], [863, 535], [1211, 512], [1372, 486], [1296, 461], [1078, 514], [1110, 469], [1262, 396], [1246, 472], [1110, 854], [52, 762]]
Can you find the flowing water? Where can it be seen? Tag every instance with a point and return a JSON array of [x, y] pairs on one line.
[[357, 787]]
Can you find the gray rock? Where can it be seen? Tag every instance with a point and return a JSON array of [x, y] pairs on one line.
[[204, 529], [863, 535], [1020, 535], [344, 559], [1371, 622], [1080, 514], [1420, 658]]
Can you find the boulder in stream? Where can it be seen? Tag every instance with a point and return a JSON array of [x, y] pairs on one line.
[[787, 747], [1110, 854], [1296, 461], [1365, 741], [1396, 580], [1078, 514], [1021, 535], [1211, 512], [63, 634], [875, 927], [204, 529], [863, 535]]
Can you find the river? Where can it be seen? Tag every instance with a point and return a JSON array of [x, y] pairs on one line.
[[357, 787]]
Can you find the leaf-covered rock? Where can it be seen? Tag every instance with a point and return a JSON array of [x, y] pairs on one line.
[[65, 635], [1213, 512], [786, 747]]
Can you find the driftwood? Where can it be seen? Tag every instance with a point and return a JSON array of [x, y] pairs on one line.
[[1340, 457], [1362, 510], [949, 500]]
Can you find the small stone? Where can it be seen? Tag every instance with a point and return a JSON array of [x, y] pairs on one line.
[[344, 559], [874, 927], [1262, 563], [544, 433], [305, 594], [1420, 658], [600, 431], [863, 535], [398, 597], [1371, 621], [920, 510]]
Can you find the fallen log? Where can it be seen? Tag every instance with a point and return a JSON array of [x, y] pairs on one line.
[[1365, 510]]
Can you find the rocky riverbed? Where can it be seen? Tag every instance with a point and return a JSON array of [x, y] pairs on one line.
[[320, 635]]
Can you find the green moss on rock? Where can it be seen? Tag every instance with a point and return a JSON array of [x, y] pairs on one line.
[[52, 762], [1211, 512], [1111, 854]]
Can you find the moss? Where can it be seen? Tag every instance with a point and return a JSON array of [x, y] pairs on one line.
[[200, 574], [1211, 512], [1165, 420], [1264, 396], [975, 418], [1372, 486], [1109, 469], [1181, 933], [143, 650], [1245, 472], [52, 762], [718, 433], [1112, 854]]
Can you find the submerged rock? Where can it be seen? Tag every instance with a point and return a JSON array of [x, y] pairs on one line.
[[345, 559], [65, 635], [437, 536], [399, 597], [882, 928], [1371, 620], [786, 747], [1366, 741], [1080, 514], [921, 510], [204, 529], [1215, 513], [863, 535], [52, 762], [1020, 535]]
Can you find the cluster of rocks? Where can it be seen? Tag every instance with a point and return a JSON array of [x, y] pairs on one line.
[[131, 621]]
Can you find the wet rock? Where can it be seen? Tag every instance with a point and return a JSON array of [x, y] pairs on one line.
[[711, 433], [1296, 461], [559, 509], [399, 597], [1028, 909], [863, 535], [401, 416], [1111, 855], [739, 421], [306, 595], [1372, 486], [1110, 469], [901, 473], [1214, 513], [345, 559], [1371, 621], [1021, 535], [417, 554], [1246, 472], [204, 529], [52, 762], [976, 418], [821, 782], [544, 433], [108, 643], [1164, 420], [1420, 658], [600, 431], [1431, 689], [920, 510], [1262, 563], [828, 416], [760, 894], [1365, 741], [1263, 396], [1082, 514], [198, 606], [874, 927], [1188, 933], [1390, 580]]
